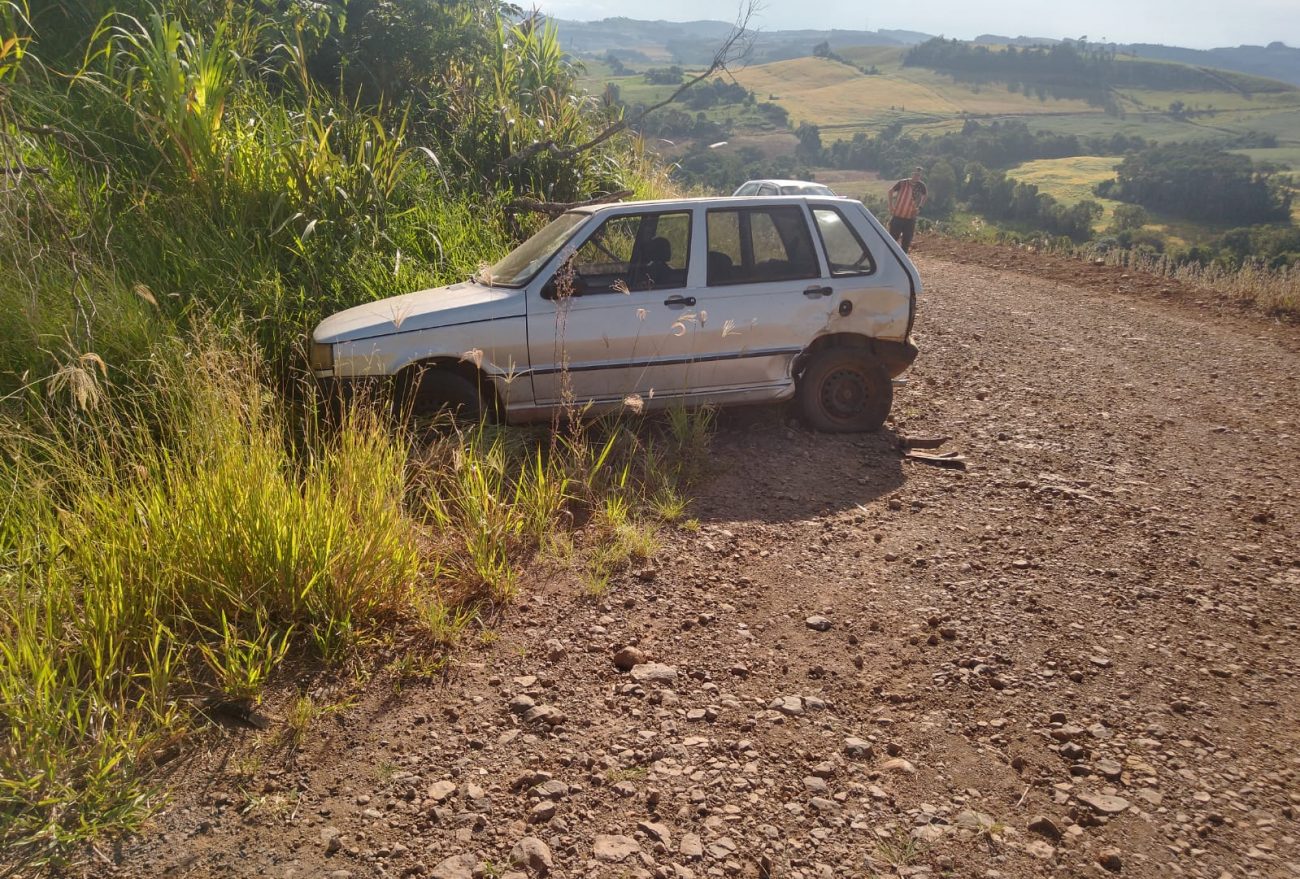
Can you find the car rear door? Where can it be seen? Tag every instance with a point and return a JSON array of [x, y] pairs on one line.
[[764, 295]]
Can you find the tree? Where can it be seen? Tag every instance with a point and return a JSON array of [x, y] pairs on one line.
[[1199, 182], [941, 184], [810, 143], [664, 75], [1129, 217]]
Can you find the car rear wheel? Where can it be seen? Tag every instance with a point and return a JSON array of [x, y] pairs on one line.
[[844, 391]]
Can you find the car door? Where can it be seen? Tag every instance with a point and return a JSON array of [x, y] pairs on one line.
[[617, 319], [764, 296], [872, 297]]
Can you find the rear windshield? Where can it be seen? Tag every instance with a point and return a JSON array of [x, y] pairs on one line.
[[805, 189], [523, 263]]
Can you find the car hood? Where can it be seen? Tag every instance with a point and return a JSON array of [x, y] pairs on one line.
[[462, 303]]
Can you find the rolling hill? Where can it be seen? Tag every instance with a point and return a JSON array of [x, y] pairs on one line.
[[693, 43]]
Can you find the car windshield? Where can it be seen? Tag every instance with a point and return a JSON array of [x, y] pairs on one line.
[[523, 263], [805, 189]]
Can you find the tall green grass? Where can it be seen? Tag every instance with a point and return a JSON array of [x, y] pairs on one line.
[[164, 543], [169, 544], [176, 521]]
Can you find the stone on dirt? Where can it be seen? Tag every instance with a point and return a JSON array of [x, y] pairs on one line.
[[1104, 804], [532, 853], [628, 658], [614, 849], [654, 673], [455, 867]]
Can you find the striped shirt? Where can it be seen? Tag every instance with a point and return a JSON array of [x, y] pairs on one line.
[[907, 198]]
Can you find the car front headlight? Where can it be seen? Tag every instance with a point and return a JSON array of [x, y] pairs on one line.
[[322, 356]]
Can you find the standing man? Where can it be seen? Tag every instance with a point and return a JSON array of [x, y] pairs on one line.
[[906, 197]]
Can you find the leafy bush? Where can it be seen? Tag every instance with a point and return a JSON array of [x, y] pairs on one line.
[[1200, 182]]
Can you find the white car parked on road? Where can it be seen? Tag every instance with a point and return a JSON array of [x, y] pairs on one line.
[[688, 301], [782, 187]]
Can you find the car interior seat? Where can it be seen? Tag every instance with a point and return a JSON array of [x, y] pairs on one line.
[[720, 266], [658, 254]]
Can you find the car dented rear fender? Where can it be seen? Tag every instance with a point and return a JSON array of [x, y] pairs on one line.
[[896, 356]]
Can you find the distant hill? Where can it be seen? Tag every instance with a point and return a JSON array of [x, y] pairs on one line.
[[999, 40], [1276, 60], [694, 42]]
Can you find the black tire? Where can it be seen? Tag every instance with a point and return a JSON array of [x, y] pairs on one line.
[[842, 390], [432, 393]]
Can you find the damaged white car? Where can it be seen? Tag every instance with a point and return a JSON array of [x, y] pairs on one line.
[[652, 304]]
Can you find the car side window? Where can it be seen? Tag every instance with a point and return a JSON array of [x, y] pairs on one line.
[[663, 254], [845, 251], [747, 189], [634, 252], [757, 245], [767, 189]]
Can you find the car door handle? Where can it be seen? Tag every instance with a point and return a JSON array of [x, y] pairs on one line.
[[813, 292], [688, 301]]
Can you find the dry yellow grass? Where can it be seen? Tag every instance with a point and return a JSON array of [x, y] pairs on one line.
[[1276, 291], [1071, 180], [829, 93]]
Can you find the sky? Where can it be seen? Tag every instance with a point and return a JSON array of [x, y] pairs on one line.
[[1199, 24]]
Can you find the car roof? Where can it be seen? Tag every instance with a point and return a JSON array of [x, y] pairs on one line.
[[745, 201], [777, 182]]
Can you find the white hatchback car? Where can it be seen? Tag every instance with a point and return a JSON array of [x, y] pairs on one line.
[[782, 187], [652, 304]]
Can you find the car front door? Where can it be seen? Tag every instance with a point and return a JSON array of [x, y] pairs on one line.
[[764, 297], [617, 320]]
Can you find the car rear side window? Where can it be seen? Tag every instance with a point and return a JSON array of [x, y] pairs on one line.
[[757, 245], [845, 251]]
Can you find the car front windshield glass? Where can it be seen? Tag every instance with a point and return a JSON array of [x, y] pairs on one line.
[[523, 263]]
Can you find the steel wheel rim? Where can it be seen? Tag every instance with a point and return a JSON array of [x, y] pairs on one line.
[[844, 394]]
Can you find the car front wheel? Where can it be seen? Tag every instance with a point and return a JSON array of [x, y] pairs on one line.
[[844, 391], [439, 392]]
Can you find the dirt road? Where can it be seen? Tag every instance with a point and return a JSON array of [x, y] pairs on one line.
[[1078, 657]]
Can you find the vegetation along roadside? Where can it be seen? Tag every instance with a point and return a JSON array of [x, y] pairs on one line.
[[187, 187]]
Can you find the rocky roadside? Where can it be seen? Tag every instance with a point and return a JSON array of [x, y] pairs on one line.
[[1077, 658]]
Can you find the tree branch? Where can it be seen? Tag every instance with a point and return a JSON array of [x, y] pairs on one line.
[[555, 208], [735, 47]]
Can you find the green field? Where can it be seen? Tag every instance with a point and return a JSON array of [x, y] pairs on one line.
[[1071, 180], [1288, 156]]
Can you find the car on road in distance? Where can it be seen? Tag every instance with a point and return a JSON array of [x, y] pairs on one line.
[[781, 187], [707, 301]]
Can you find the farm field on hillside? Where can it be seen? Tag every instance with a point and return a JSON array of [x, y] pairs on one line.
[[832, 94], [843, 101], [1225, 100], [1071, 180], [1288, 156]]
